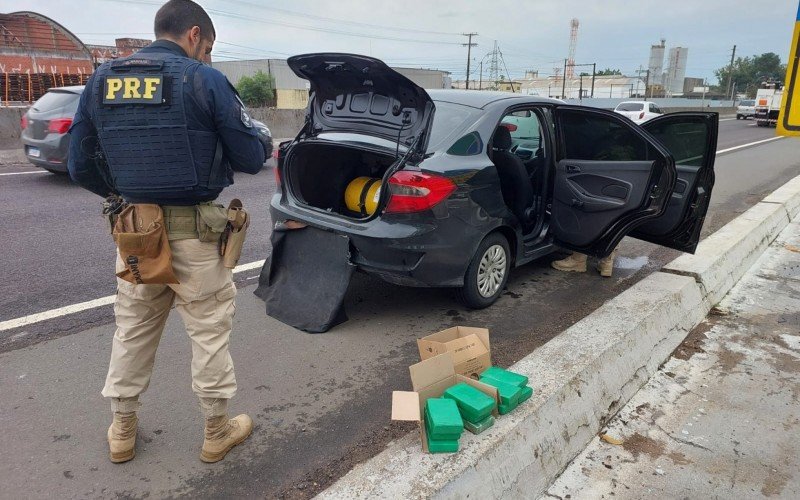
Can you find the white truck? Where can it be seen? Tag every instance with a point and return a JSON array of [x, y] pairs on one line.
[[768, 104]]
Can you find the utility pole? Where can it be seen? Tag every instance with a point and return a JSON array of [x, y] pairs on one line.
[[646, 83], [730, 72], [480, 82], [580, 89], [594, 71], [564, 81], [469, 46]]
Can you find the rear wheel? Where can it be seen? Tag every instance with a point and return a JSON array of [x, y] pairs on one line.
[[487, 273]]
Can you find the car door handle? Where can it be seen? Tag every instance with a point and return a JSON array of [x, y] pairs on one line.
[[573, 169]]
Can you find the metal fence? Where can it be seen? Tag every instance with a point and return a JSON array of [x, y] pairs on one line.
[[27, 88]]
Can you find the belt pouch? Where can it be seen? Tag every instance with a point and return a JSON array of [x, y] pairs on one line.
[[235, 234], [211, 222], [143, 246]]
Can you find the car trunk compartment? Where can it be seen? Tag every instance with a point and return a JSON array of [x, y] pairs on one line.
[[318, 174]]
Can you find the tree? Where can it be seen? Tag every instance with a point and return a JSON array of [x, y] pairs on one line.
[[258, 90], [749, 72], [608, 72]]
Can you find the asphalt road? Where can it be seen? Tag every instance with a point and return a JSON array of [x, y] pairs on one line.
[[320, 402]]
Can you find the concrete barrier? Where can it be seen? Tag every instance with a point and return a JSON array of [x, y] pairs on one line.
[[10, 122], [580, 378], [723, 257]]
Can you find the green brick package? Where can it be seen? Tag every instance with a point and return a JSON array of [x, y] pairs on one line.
[[480, 426], [473, 404], [505, 376], [443, 419]]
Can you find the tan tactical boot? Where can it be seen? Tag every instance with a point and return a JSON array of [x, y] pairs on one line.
[[576, 262], [222, 434], [122, 437], [606, 265]]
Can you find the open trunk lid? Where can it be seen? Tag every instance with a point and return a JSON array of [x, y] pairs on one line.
[[359, 94]]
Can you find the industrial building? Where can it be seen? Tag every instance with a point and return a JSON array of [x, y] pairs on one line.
[[614, 86], [656, 65], [676, 70], [291, 91], [32, 43], [123, 47]]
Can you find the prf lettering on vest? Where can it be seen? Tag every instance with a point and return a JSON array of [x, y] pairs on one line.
[[133, 89]]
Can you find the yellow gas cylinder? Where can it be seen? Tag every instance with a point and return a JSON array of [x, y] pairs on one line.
[[362, 195]]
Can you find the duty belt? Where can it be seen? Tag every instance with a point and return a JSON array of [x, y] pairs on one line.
[[181, 222]]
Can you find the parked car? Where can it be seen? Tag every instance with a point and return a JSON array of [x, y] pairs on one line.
[[45, 127], [473, 183], [638, 111], [265, 136], [746, 109]]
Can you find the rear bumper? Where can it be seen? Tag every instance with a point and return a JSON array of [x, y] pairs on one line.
[[53, 151], [405, 251]]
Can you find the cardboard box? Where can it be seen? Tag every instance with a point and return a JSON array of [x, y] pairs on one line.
[[469, 345], [429, 379]]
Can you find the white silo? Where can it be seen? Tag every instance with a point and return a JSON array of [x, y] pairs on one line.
[[656, 65]]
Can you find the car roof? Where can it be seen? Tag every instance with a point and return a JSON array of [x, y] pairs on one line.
[[484, 98], [72, 89]]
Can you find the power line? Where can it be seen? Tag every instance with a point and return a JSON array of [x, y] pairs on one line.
[[339, 21], [234, 15]]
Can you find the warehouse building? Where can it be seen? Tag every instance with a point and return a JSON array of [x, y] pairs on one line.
[[292, 91], [32, 43], [615, 86]]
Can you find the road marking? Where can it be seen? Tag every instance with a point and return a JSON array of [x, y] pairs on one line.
[[25, 173], [90, 304], [103, 301], [749, 144], [726, 119]]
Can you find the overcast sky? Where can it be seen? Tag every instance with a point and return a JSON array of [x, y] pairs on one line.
[[532, 34]]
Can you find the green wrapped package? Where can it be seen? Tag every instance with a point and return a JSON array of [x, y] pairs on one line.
[[474, 405], [443, 419], [509, 394], [442, 446], [503, 409], [505, 376], [479, 427], [527, 392]]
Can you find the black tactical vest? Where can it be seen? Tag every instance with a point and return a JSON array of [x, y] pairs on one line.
[[142, 127]]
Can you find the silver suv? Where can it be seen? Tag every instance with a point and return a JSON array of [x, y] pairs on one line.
[[746, 109]]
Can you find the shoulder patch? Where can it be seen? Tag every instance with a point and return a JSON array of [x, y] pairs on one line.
[[246, 120]]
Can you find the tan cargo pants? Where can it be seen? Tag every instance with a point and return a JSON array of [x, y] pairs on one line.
[[205, 300]]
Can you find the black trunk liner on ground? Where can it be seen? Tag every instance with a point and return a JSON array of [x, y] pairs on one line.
[[304, 281]]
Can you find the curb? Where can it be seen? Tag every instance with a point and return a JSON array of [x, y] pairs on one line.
[[582, 377]]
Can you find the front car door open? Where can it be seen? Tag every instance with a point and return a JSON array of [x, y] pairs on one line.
[[611, 176], [691, 138]]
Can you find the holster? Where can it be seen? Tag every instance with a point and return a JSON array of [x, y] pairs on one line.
[[143, 245], [232, 240]]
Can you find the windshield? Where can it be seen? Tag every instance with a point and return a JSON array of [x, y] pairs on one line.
[[748, 103], [56, 99], [630, 106]]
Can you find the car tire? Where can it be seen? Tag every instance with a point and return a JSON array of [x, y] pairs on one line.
[[487, 273], [738, 117]]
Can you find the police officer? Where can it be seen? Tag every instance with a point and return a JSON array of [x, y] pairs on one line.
[[171, 131]]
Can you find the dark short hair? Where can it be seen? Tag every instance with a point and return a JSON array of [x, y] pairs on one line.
[[176, 17]]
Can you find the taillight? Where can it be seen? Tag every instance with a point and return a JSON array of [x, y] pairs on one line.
[[415, 192], [641, 115], [59, 125], [23, 122]]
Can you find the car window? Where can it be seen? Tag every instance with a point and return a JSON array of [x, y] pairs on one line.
[[748, 103], [686, 141], [448, 122], [54, 100], [526, 133], [589, 136], [630, 106]]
